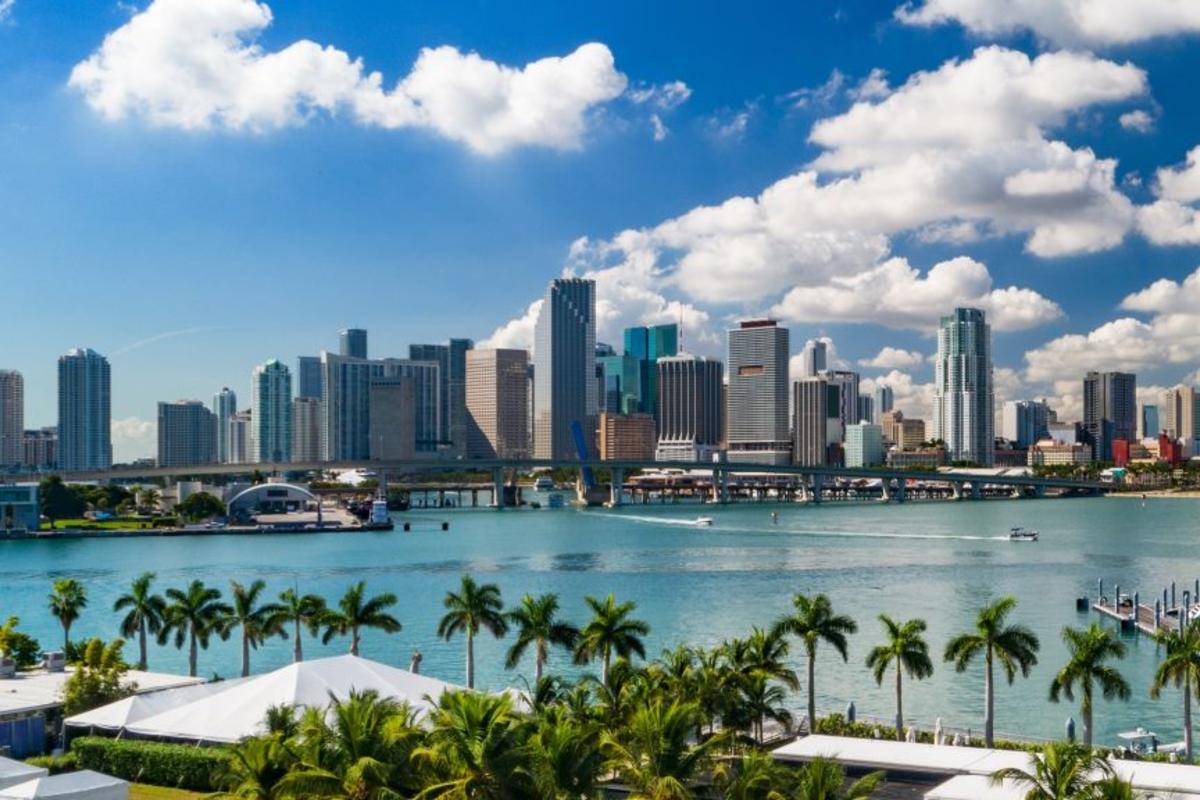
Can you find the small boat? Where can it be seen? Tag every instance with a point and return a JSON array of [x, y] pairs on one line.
[[544, 484], [704, 522], [1141, 742], [1022, 535]]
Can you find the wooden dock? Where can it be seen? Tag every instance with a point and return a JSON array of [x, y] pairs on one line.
[[1165, 614]]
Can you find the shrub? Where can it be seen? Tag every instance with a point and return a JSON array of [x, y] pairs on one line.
[[175, 765], [56, 764]]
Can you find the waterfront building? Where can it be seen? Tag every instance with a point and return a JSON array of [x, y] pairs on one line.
[[1109, 410], [626, 437], [864, 445], [1181, 415], [308, 376], [19, 511], [427, 396], [1025, 421], [1006, 454], [12, 418], [345, 408], [564, 367], [963, 405], [622, 389], [1148, 422], [451, 359], [84, 411], [928, 457], [1049, 453], [757, 419], [40, 450], [814, 358], [239, 437], [306, 429], [866, 408], [187, 434], [497, 388], [271, 413], [224, 406], [689, 407], [646, 345], [353, 343], [817, 425], [885, 399], [848, 411], [392, 417]]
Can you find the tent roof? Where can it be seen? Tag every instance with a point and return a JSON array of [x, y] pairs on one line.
[[1177, 780], [910, 757], [122, 713], [14, 772], [238, 711], [975, 787], [83, 785]]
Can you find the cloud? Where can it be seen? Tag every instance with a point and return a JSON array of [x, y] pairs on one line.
[[893, 358], [6, 9], [896, 295], [1170, 220], [1139, 121], [872, 87], [1180, 183], [663, 96], [821, 95], [661, 131], [132, 438], [158, 337], [729, 125], [1093, 23], [518, 332], [915, 399], [196, 65]]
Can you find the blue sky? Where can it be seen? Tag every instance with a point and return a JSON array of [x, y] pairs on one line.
[[205, 193]]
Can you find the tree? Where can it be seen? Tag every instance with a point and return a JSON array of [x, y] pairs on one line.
[[476, 749], [654, 753], [67, 601], [471, 608], [301, 611], [59, 501], [565, 759], [148, 499], [257, 622], [23, 649], [813, 621], [1065, 771], [824, 779], [355, 611], [907, 651], [97, 679], [255, 770], [1014, 646], [610, 630], [144, 613], [1089, 650], [200, 505], [193, 615], [537, 625], [1181, 666]]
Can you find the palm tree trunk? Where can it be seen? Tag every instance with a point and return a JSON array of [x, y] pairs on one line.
[[1086, 713], [297, 646], [470, 660], [354, 640], [899, 707], [193, 653], [245, 655], [66, 637], [539, 664], [1187, 713], [142, 645], [989, 700], [812, 690], [604, 667]]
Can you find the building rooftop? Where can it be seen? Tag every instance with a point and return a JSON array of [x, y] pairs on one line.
[[39, 689]]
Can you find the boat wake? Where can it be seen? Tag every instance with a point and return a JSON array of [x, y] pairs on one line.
[[687, 522]]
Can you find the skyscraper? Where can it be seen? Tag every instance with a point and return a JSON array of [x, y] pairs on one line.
[[1149, 422], [308, 376], [12, 418], [564, 368], [187, 434], [84, 411], [345, 408], [814, 359], [1025, 422], [864, 445], [866, 408], [815, 401], [1179, 413], [392, 421], [1109, 410], [224, 407], [452, 365], [427, 393], [353, 342], [758, 426], [646, 345], [497, 403], [848, 411], [963, 413], [271, 413], [885, 400], [239, 437], [689, 407], [306, 429]]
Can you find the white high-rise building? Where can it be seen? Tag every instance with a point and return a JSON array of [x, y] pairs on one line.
[[239, 437], [12, 418], [864, 445], [564, 373], [271, 413], [224, 406], [689, 407], [84, 411], [963, 402], [757, 407], [817, 425], [1179, 413]]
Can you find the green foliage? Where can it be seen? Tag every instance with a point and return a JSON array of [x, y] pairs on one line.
[[67, 601], [59, 501], [177, 765], [200, 505], [20, 647], [55, 764], [98, 678]]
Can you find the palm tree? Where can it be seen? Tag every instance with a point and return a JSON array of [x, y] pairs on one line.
[[1014, 646], [301, 611], [148, 497], [610, 631], [475, 749], [194, 615], [537, 624], [258, 622], [1086, 666], [814, 622], [763, 700], [755, 776], [1181, 666], [255, 769], [654, 753], [472, 607], [823, 779], [145, 613], [1065, 771], [907, 650], [355, 612], [67, 602], [565, 757]]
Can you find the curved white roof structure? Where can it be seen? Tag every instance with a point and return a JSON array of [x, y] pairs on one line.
[[122, 713], [14, 772], [81, 785]]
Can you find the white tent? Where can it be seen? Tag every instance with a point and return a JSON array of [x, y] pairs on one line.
[[14, 772], [239, 710], [122, 713], [82, 785], [976, 787]]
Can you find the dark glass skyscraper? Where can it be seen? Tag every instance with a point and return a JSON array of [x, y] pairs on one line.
[[452, 362], [84, 411], [1109, 410], [564, 373], [646, 345], [353, 343]]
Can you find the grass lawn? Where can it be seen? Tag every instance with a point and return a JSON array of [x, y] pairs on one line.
[[104, 525], [142, 791]]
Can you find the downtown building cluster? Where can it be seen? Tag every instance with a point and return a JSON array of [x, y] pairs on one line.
[[575, 396]]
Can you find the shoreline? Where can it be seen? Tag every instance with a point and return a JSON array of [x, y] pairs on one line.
[[1181, 494]]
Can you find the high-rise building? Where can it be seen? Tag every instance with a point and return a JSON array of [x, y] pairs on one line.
[[427, 396], [885, 400], [239, 437], [646, 345], [864, 445], [187, 434], [622, 392], [497, 388], [848, 410], [564, 367], [689, 407], [308, 376], [224, 406], [963, 400], [814, 358], [345, 408], [1109, 410], [1179, 416], [1025, 422], [626, 437], [392, 419], [817, 424], [271, 413], [1149, 427], [41, 448], [758, 394], [306, 429], [452, 365], [12, 418], [84, 411], [866, 408], [906, 434], [353, 343]]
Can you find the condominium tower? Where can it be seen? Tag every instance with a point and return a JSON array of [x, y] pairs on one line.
[[451, 359], [1109, 411], [757, 403], [1025, 422], [271, 413], [353, 343], [689, 408], [224, 406], [963, 414], [306, 429], [187, 434], [818, 425], [564, 355], [84, 411], [12, 418], [497, 397], [1179, 414]]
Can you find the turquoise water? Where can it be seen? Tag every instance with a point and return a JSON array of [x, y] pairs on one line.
[[939, 561]]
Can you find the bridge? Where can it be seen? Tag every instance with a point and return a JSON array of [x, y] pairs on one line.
[[810, 480]]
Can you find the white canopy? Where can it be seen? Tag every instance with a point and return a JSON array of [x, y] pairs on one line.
[[896, 756], [238, 711], [1173, 780], [82, 785], [14, 772], [123, 713], [976, 787]]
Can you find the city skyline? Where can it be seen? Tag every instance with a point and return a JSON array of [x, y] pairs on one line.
[[678, 183]]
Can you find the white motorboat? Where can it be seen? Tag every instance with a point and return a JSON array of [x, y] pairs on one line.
[[544, 484], [704, 522], [1022, 535]]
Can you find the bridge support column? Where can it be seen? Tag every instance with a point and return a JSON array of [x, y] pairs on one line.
[[498, 488], [818, 482], [956, 490], [976, 490], [1039, 490], [901, 490], [885, 488], [618, 481]]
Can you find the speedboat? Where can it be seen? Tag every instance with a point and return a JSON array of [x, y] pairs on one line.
[[704, 522], [544, 484], [1022, 535]]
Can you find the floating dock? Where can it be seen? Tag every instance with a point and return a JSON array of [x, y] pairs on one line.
[[1164, 615]]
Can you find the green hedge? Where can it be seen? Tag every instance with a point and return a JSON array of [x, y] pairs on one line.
[[175, 765], [56, 764]]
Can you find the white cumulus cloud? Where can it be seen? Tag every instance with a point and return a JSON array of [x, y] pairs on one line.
[[893, 358], [1138, 120], [1174, 219]]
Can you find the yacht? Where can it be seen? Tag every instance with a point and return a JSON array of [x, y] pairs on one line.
[[1022, 535], [544, 484], [704, 522]]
